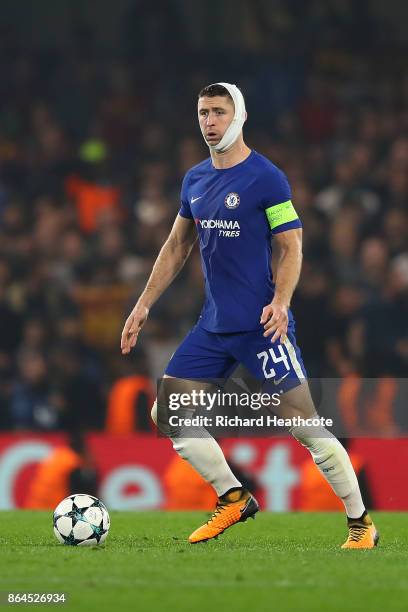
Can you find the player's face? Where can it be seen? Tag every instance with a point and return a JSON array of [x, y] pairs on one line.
[[215, 115]]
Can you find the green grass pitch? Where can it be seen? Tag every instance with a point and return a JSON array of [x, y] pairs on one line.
[[277, 562]]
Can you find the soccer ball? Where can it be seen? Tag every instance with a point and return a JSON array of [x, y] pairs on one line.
[[81, 520]]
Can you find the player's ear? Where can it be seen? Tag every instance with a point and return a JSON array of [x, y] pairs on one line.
[[246, 115]]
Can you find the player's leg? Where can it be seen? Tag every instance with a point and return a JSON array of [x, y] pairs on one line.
[[281, 365], [199, 360], [333, 462], [192, 443]]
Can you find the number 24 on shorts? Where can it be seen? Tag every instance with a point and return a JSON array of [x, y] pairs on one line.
[[265, 355]]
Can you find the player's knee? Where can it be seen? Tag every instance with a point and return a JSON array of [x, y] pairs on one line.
[[160, 417], [297, 403], [153, 413], [159, 414]]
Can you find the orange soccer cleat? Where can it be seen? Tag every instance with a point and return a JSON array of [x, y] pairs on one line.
[[234, 507], [362, 533]]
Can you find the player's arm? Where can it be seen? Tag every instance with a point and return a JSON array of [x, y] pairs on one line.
[[168, 264], [287, 268]]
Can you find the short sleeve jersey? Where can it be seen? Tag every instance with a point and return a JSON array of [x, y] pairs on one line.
[[237, 211]]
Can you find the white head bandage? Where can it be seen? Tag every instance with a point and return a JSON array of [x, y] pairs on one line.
[[234, 129]]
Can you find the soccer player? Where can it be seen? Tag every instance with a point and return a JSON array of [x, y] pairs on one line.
[[237, 201]]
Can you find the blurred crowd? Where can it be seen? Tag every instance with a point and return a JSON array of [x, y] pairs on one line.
[[93, 148]]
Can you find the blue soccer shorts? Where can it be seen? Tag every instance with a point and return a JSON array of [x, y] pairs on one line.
[[205, 355]]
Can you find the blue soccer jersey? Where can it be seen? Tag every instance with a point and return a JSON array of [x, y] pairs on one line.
[[237, 211]]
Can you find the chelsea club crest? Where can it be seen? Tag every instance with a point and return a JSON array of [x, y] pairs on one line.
[[232, 200]]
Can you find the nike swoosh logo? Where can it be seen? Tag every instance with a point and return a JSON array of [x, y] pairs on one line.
[[278, 382], [195, 199], [320, 462], [242, 510]]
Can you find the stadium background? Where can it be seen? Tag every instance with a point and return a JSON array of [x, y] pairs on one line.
[[97, 127]]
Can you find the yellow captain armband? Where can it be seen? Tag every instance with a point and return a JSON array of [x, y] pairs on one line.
[[280, 214]]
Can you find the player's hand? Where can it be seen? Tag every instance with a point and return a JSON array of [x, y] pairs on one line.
[[133, 325], [275, 321]]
